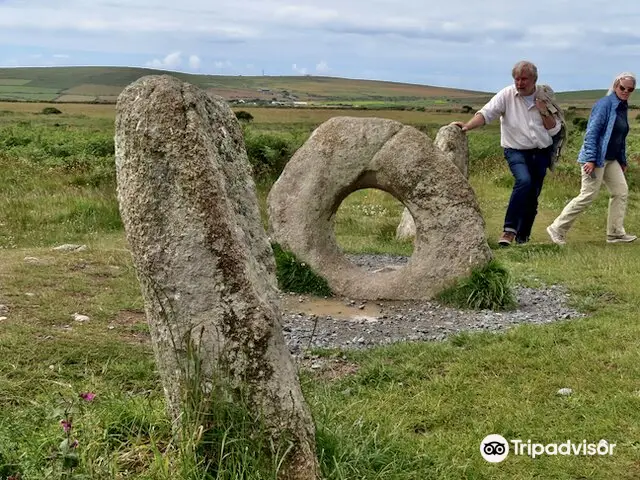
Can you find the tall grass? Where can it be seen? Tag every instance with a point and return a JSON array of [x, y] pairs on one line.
[[366, 222], [296, 276], [220, 437], [269, 152], [488, 287], [409, 411]]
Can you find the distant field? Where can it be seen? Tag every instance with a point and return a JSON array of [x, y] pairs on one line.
[[326, 88], [93, 90], [29, 97], [109, 81], [316, 116], [13, 81], [270, 115], [89, 110], [582, 95], [25, 89], [76, 98], [80, 84]]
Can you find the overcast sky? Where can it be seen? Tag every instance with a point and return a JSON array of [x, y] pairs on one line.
[[577, 44]]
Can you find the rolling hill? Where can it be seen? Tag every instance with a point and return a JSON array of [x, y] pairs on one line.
[[103, 84]]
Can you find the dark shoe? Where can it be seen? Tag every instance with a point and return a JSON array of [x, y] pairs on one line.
[[626, 238], [521, 240], [506, 239]]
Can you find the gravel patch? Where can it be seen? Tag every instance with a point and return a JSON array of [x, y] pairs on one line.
[[413, 321]]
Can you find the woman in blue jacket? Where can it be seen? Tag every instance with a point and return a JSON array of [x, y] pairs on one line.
[[603, 158]]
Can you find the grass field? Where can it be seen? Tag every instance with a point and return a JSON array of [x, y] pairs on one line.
[[13, 82], [16, 89], [72, 111], [265, 117], [69, 98], [409, 411], [107, 82]]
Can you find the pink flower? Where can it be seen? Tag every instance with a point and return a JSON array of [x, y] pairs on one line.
[[88, 396], [74, 444], [66, 425]]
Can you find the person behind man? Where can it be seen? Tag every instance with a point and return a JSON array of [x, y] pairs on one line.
[[603, 158], [527, 126]]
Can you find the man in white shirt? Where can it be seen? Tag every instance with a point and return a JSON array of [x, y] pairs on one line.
[[526, 130]]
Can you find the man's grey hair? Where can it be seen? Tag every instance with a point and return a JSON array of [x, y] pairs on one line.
[[524, 66], [622, 76]]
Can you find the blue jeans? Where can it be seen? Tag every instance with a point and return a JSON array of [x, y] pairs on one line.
[[529, 168]]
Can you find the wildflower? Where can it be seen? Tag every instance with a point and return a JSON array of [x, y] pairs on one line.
[[74, 444], [88, 396], [66, 425]]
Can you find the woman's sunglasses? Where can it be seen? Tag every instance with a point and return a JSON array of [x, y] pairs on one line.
[[626, 89]]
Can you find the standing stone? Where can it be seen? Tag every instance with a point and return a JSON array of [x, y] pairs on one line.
[[454, 146], [456, 150], [203, 259], [347, 154]]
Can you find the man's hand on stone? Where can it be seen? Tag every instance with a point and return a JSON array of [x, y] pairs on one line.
[[462, 125]]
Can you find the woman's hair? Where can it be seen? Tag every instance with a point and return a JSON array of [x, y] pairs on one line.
[[622, 76], [524, 66]]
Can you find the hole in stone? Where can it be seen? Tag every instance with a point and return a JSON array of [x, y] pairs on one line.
[[365, 229]]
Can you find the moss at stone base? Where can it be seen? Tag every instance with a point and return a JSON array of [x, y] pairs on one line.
[[296, 276]]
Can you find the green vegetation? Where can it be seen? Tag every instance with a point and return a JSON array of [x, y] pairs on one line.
[[13, 81], [26, 89], [18, 83], [51, 111], [244, 116], [219, 436], [581, 96], [407, 411], [296, 276], [488, 287], [269, 152], [82, 84], [29, 96], [580, 123], [366, 222]]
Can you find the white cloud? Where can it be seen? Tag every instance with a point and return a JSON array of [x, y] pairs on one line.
[[301, 71], [472, 44], [107, 17], [194, 62], [305, 14], [322, 67], [171, 61]]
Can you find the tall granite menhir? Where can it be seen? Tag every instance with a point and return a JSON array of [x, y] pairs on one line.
[[203, 259]]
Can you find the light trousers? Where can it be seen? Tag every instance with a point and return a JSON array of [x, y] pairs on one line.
[[613, 177]]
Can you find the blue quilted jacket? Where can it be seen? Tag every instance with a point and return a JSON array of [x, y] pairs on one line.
[[599, 128]]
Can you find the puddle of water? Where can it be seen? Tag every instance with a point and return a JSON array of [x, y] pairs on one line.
[[334, 307]]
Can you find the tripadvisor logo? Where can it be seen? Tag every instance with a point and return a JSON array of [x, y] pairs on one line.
[[495, 448]]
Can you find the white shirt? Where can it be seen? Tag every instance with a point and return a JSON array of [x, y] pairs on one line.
[[521, 124]]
